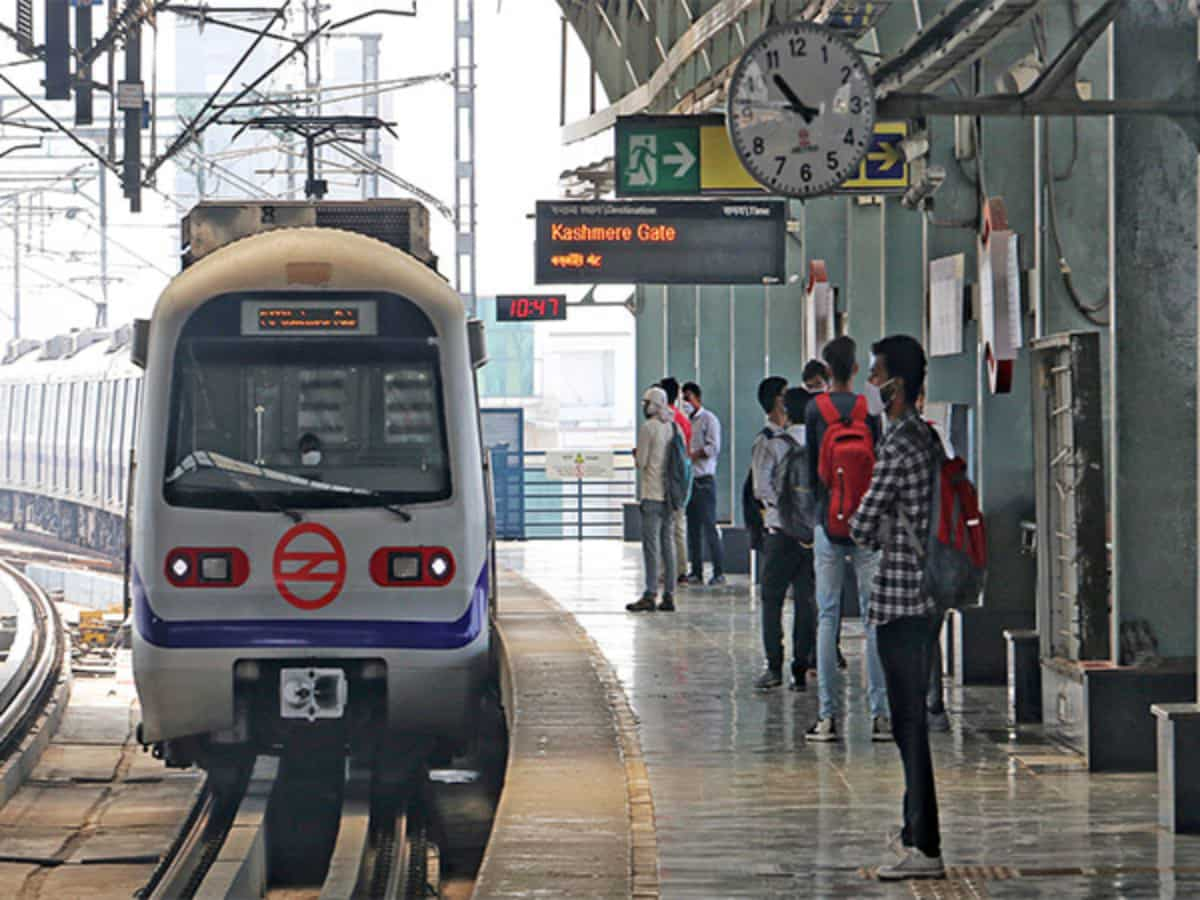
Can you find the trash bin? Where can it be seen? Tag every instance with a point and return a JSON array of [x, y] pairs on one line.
[[1024, 677]]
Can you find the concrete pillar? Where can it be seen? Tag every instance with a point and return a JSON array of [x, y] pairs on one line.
[[1154, 273]]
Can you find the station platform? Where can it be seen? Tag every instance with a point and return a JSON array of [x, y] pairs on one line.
[[743, 806]]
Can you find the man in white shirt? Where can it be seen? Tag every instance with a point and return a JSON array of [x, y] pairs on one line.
[[658, 526]]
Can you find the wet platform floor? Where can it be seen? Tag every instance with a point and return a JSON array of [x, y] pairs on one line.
[[745, 807]]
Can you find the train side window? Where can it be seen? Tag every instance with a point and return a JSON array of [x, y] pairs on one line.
[[33, 429], [122, 434], [5, 409], [65, 397], [50, 434], [16, 432]]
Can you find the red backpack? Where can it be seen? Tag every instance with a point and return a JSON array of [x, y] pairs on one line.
[[954, 557], [846, 462]]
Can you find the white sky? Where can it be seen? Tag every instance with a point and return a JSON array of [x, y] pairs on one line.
[[518, 151]]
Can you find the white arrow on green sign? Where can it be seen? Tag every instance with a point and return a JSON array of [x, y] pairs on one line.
[[658, 160]]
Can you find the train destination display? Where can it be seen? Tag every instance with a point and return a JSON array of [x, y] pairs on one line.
[[351, 317], [660, 242], [531, 307]]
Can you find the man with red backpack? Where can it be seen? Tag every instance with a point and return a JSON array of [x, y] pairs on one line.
[[842, 436], [894, 517]]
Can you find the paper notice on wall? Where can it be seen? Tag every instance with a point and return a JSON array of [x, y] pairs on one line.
[[945, 305]]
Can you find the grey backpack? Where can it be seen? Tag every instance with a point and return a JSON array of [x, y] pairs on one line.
[[796, 504]]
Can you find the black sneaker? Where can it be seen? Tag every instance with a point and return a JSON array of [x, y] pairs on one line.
[[668, 603], [841, 659], [695, 579], [798, 681], [768, 680], [717, 581], [646, 604], [682, 580]]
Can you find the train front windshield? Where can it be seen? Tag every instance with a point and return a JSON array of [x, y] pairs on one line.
[[260, 423]]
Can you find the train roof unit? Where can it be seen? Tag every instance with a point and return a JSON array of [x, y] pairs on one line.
[[400, 223]]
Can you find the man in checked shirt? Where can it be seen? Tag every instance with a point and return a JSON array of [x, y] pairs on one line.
[[906, 618]]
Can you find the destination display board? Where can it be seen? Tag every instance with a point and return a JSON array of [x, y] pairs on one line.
[[531, 307], [660, 242], [353, 317]]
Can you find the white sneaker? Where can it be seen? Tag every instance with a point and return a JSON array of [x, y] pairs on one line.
[[895, 847], [915, 864], [823, 731]]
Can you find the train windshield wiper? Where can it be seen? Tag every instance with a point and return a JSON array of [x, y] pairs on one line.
[[234, 469]]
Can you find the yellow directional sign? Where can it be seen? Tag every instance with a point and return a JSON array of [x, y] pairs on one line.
[[884, 170], [670, 156]]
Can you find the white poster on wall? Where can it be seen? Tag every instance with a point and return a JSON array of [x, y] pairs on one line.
[[946, 277]]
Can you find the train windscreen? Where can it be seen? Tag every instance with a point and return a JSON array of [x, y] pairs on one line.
[[262, 424]]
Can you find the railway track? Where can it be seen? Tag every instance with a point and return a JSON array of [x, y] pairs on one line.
[[286, 830], [33, 663]]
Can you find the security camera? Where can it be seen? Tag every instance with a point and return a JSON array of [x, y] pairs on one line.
[[923, 188]]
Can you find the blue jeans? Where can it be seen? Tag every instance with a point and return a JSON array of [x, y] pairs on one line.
[[830, 562]]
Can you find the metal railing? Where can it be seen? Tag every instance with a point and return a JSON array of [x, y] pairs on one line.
[[532, 506]]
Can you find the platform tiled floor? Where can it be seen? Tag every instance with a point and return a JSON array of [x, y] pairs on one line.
[[745, 808]]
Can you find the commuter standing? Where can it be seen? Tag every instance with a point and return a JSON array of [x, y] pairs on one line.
[[894, 518], [843, 437], [705, 448], [815, 377], [658, 545], [781, 482], [678, 521]]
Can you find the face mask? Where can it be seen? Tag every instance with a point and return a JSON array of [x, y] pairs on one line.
[[646, 413], [887, 392], [688, 409], [311, 458], [875, 404]]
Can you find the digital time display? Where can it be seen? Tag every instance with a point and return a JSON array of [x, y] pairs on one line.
[[307, 318], [531, 308]]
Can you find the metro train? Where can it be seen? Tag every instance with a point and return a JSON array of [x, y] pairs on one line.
[[311, 562]]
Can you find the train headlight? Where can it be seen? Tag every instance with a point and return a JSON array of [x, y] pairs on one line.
[[209, 567], [441, 566], [412, 567]]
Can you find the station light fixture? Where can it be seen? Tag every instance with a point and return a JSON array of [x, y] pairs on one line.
[[923, 188]]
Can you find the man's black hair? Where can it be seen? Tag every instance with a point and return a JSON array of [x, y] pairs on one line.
[[692, 388], [814, 368], [795, 401], [903, 358], [768, 390], [839, 353], [671, 386]]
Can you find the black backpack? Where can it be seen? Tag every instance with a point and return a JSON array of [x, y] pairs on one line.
[[797, 509], [751, 512]]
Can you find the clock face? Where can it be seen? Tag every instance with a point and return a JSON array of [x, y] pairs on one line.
[[801, 109]]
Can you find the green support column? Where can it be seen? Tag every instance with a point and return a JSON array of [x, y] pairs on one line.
[[715, 378], [904, 282], [1154, 336], [865, 280]]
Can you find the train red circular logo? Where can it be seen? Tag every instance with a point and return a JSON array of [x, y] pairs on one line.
[[309, 566]]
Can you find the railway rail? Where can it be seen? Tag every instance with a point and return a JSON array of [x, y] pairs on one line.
[[33, 664], [286, 829]]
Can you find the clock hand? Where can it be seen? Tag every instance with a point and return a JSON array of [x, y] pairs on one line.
[[796, 104]]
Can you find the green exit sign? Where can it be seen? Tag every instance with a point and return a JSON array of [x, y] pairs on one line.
[[658, 160]]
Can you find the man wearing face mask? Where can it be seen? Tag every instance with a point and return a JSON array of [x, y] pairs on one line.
[[894, 518], [658, 530], [671, 386], [815, 377], [310, 449], [843, 432]]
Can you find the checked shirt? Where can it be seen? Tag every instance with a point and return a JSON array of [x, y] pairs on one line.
[[903, 476]]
